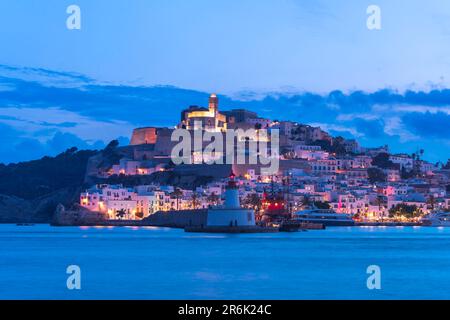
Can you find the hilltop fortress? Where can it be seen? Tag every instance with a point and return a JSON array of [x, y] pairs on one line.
[[150, 147], [209, 119]]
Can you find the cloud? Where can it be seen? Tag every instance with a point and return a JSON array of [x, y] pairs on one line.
[[30, 122], [346, 131], [16, 146], [370, 128], [429, 125], [44, 76], [405, 120], [33, 124], [410, 108], [105, 102], [62, 141]]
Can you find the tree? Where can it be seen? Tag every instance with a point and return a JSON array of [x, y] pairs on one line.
[[338, 146], [322, 205], [431, 201], [110, 155], [213, 199], [382, 161], [376, 175], [403, 209], [177, 194], [139, 214], [71, 151], [323, 144], [338, 140], [194, 200], [306, 202], [112, 145], [447, 165], [405, 174], [121, 213], [252, 200], [380, 201], [39, 178]]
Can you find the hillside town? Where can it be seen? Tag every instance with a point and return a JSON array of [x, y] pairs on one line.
[[315, 170]]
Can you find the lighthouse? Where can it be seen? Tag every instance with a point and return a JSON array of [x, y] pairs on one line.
[[231, 214], [232, 195]]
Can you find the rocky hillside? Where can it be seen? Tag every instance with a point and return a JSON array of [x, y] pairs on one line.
[[30, 191]]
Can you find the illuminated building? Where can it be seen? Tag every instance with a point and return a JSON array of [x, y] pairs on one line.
[[146, 135], [204, 118]]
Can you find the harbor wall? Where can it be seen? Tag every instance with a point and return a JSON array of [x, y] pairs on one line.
[[231, 217], [178, 219]]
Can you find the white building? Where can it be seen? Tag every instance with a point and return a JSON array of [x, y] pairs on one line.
[[133, 167], [324, 166], [310, 152], [118, 202], [404, 160], [426, 167], [115, 201]]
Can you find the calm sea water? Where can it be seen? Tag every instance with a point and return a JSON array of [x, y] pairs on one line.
[[160, 263]]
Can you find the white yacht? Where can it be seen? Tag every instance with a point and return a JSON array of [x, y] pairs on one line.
[[437, 219], [324, 216]]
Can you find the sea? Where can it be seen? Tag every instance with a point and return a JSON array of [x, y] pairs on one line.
[[38, 262]]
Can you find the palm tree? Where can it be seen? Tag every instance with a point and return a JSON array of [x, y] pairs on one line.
[[177, 194], [194, 200], [447, 165], [380, 202], [431, 201], [121, 213], [213, 199], [306, 202]]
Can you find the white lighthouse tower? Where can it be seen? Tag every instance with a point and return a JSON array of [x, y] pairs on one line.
[[231, 214], [232, 195]]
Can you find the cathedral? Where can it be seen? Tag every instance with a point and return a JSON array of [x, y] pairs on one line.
[[204, 118]]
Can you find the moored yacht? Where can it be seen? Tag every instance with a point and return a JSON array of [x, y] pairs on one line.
[[324, 216], [437, 219]]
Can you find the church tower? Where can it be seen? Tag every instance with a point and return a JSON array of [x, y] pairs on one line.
[[213, 103]]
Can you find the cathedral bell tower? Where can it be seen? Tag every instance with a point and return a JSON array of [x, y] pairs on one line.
[[213, 103]]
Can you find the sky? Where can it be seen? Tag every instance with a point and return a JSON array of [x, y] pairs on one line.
[[140, 62]]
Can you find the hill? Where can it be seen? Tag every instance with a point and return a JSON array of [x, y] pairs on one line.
[[30, 191]]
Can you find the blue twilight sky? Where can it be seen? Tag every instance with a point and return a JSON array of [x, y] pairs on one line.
[[309, 61]]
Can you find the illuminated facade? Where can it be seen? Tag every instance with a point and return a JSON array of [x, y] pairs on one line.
[[209, 119], [116, 202], [146, 135]]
